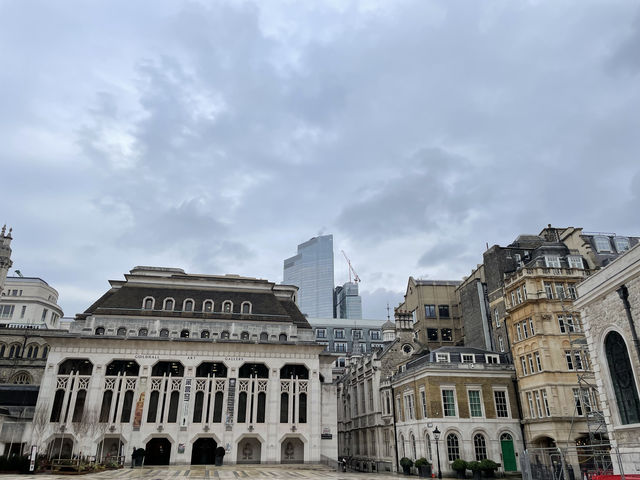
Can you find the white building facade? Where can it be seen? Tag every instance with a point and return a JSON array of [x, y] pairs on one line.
[[181, 365]]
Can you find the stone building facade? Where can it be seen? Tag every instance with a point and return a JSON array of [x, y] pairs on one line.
[[469, 396], [609, 301], [181, 364], [436, 311]]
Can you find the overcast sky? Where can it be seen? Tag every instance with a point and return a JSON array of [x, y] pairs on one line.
[[215, 136]]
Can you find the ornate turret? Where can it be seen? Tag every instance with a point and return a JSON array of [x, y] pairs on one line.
[[5, 255]]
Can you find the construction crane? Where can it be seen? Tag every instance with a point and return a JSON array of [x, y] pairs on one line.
[[356, 278]]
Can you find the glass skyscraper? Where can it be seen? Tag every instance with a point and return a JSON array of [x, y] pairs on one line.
[[311, 270], [348, 302]]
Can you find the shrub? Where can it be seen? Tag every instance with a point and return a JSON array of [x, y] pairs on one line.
[[406, 462], [474, 466], [459, 465], [422, 462], [487, 465]]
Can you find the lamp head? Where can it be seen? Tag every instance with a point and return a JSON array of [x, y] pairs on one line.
[[436, 434]]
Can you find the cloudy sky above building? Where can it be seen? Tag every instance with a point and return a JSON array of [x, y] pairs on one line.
[[217, 135]]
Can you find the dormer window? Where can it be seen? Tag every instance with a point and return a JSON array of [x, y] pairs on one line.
[[184, 333], [552, 261], [168, 304], [224, 335], [492, 358], [468, 358], [207, 306], [100, 331], [143, 332], [147, 303], [442, 357], [246, 307], [575, 261], [244, 336], [188, 306], [602, 244], [621, 243], [227, 306], [164, 332]]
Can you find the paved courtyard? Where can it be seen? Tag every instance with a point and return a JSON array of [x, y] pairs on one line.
[[258, 472]]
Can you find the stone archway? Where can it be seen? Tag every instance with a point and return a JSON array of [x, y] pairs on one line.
[[158, 452], [249, 450], [203, 451], [291, 450]]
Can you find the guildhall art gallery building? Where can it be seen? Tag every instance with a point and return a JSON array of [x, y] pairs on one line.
[[180, 364]]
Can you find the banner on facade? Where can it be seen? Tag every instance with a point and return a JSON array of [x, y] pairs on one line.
[[137, 417]]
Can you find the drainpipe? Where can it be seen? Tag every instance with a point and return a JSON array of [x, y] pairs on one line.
[[624, 295]]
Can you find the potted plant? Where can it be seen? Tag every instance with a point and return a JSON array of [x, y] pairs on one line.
[[460, 466], [220, 451], [424, 467], [406, 464], [489, 468], [476, 468]]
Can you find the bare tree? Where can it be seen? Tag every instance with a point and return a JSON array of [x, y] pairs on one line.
[[40, 422], [81, 429]]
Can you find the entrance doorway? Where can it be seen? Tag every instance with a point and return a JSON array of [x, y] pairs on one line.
[[249, 450], [203, 451], [292, 451], [158, 452], [508, 453]]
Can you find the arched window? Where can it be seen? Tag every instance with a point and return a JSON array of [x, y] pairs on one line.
[[106, 406], [123, 367], [22, 378], [188, 305], [244, 336], [506, 437], [204, 334], [143, 332], [427, 443], [122, 332], [78, 411], [164, 332], [282, 337], [206, 369], [480, 446], [81, 365], [453, 447], [224, 335], [45, 351], [168, 304], [147, 303], [197, 409], [184, 333], [246, 307], [402, 445], [153, 406], [127, 404], [29, 351], [2, 349], [173, 407], [284, 407], [302, 408], [242, 407], [217, 408], [100, 331], [56, 411], [227, 306], [262, 404], [264, 337], [207, 306], [622, 379], [413, 447], [14, 351]]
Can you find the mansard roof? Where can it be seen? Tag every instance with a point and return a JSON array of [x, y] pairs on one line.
[[269, 303]]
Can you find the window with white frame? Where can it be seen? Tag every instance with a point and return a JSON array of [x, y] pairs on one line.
[[552, 261], [6, 311], [513, 299], [548, 289], [497, 317], [525, 330], [449, 402], [340, 346], [480, 447], [519, 296], [321, 333], [538, 403], [490, 358], [569, 358], [409, 406], [500, 343], [468, 358], [571, 288], [575, 261], [338, 333], [577, 399], [518, 331], [502, 406], [453, 447], [538, 361], [442, 357], [533, 332], [532, 412], [523, 364], [374, 334], [423, 400], [475, 403], [560, 291], [530, 362], [545, 401]]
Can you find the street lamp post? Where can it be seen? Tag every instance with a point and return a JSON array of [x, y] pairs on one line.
[[436, 435]]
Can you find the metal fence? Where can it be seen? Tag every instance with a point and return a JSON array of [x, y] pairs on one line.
[[589, 462]]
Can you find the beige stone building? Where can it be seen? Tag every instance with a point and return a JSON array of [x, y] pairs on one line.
[[546, 336], [469, 396], [435, 307], [609, 302]]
